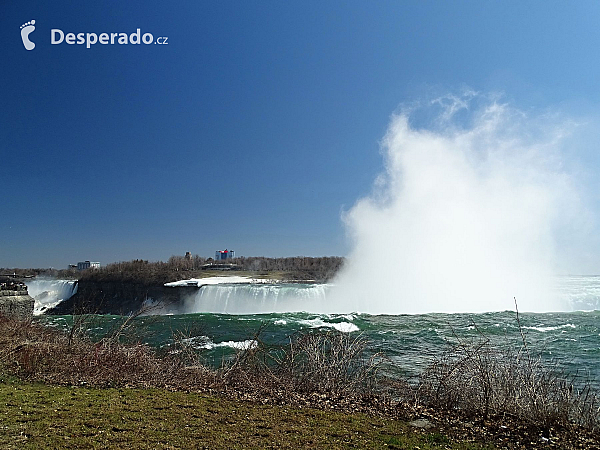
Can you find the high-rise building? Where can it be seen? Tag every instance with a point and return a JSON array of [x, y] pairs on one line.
[[88, 265], [224, 254]]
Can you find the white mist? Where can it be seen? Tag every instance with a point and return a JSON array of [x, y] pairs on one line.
[[465, 216]]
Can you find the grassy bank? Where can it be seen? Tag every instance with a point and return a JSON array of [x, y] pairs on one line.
[[42, 416]]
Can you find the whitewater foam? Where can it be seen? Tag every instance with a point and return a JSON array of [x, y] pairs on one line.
[[546, 329], [344, 327]]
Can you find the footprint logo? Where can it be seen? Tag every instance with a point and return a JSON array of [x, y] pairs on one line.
[[26, 29]]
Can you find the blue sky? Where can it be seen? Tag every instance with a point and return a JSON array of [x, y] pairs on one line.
[[258, 123]]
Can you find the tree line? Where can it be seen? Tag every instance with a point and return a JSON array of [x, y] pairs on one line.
[[180, 267]]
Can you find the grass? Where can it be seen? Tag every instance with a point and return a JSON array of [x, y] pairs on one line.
[[41, 416]]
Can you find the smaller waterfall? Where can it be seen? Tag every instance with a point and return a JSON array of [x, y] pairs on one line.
[[48, 292], [257, 298], [578, 292]]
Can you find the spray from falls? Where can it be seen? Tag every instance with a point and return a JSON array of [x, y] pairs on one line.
[[466, 216]]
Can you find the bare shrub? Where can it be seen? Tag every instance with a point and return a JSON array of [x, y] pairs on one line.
[[325, 362], [33, 351], [253, 366], [331, 361], [480, 379], [188, 346]]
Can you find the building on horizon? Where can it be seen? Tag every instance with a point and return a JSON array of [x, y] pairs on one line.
[[87, 265], [224, 254]]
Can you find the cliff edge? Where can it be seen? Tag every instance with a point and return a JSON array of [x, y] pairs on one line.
[[117, 297]]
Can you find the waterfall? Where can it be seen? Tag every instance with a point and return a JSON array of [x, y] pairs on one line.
[[578, 292], [257, 298], [49, 292]]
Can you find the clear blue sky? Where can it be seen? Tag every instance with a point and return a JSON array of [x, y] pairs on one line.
[[255, 126]]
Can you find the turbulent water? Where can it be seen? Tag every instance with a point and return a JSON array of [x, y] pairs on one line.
[[224, 318]]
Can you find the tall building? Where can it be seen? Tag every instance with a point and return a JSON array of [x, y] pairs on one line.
[[88, 265], [224, 254]]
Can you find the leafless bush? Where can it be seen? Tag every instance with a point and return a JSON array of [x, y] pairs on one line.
[[331, 361], [328, 363], [480, 379], [253, 366], [188, 346], [36, 352], [325, 362]]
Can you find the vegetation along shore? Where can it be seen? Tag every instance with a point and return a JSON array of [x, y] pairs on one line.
[[63, 389]]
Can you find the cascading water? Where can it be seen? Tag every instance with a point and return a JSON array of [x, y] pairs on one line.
[[579, 293], [574, 292], [257, 298], [48, 292]]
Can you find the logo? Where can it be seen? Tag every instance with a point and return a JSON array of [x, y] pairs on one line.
[[59, 36], [26, 30]]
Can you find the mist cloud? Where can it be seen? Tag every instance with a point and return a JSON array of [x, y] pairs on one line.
[[466, 215]]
